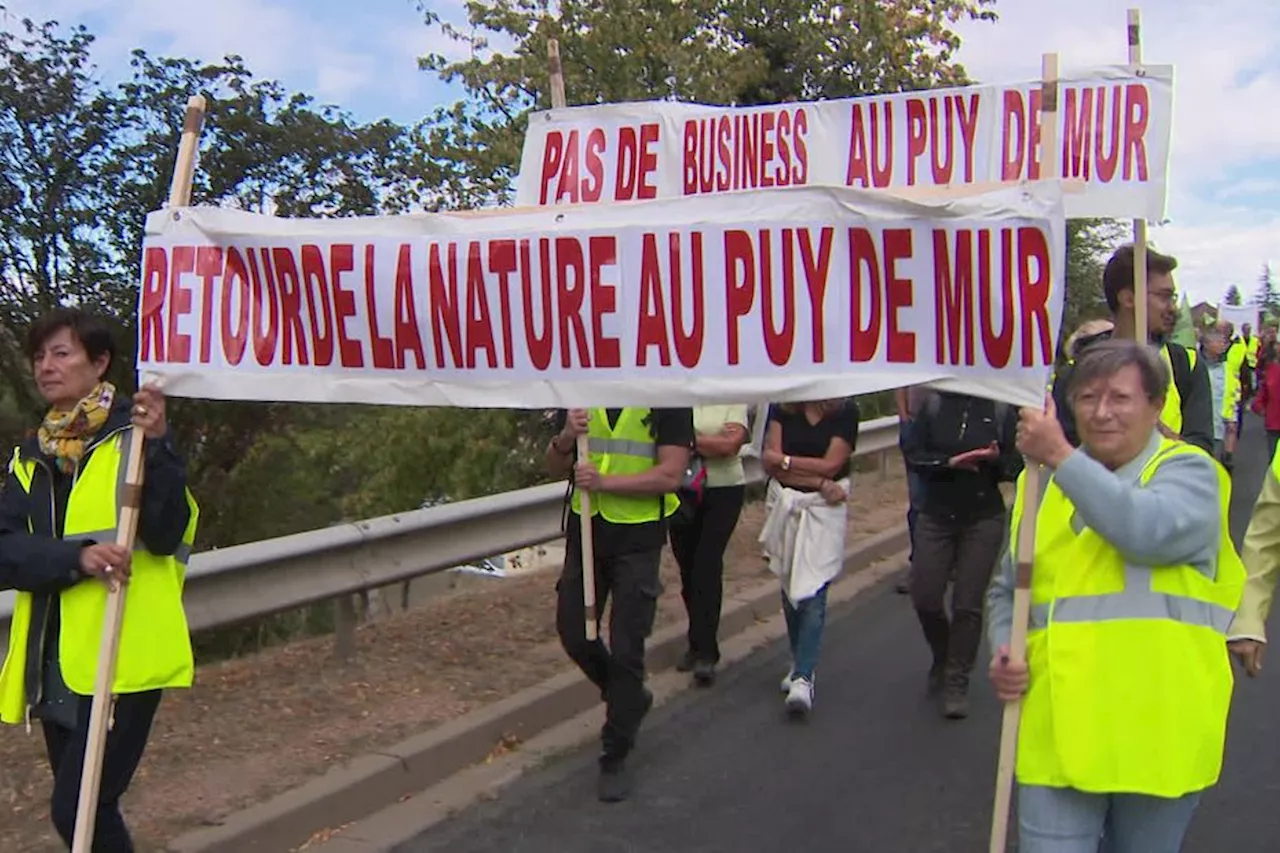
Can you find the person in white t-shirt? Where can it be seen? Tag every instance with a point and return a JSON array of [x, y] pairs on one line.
[[711, 502]]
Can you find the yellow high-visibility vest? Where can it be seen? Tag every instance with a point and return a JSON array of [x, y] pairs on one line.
[[628, 448], [1171, 414], [1130, 677], [155, 645]]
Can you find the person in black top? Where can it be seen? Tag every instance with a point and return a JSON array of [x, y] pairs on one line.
[[965, 447], [627, 556], [807, 449]]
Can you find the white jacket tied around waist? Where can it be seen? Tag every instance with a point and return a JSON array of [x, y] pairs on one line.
[[803, 538]]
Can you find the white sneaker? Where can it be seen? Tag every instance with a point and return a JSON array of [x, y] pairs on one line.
[[785, 686], [800, 696]]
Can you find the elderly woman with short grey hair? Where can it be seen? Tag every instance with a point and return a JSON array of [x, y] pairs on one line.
[[1126, 682]]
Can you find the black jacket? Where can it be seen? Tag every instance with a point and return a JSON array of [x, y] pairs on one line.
[[954, 424], [33, 557]]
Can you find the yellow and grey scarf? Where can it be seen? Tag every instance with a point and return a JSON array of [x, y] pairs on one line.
[[65, 435]]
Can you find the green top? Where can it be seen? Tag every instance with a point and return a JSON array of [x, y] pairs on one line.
[[710, 420]]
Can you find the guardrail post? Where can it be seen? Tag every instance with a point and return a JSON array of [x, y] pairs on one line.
[[884, 465], [344, 635]]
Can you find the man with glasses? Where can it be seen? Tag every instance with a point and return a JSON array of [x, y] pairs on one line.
[[1188, 409]]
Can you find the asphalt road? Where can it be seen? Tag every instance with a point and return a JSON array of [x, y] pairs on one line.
[[875, 769]]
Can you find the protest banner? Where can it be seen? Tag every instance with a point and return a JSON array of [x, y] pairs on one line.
[[768, 296], [1114, 128]]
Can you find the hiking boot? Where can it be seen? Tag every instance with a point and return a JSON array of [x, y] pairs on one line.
[[704, 673], [614, 784], [955, 704]]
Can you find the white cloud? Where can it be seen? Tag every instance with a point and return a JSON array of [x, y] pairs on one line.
[[1225, 162]]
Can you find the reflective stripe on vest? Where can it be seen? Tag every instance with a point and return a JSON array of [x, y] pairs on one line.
[[622, 447]]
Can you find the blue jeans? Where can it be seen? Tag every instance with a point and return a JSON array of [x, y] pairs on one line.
[[804, 629], [1064, 820]]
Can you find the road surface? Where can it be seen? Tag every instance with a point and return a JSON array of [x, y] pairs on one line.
[[875, 769]]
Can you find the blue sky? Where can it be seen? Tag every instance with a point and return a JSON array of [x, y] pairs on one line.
[[1224, 209]]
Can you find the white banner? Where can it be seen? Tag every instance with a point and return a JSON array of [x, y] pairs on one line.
[[767, 296], [1238, 315], [1114, 126]]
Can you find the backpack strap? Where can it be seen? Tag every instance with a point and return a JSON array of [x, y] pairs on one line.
[[1180, 361]]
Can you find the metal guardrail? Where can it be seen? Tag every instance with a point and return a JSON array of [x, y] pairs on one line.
[[245, 582]]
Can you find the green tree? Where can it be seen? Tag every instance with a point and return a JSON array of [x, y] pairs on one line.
[[1089, 243], [1267, 296], [1184, 331], [1232, 296], [710, 51]]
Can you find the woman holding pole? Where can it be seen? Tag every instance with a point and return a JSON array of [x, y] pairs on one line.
[[1127, 683], [65, 485]]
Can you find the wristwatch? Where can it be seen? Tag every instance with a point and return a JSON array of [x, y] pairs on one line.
[[786, 463]]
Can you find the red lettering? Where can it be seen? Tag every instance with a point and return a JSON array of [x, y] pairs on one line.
[[552, 154], [1137, 113], [782, 173], [691, 158], [292, 333], [1035, 123], [539, 345], [800, 173], [1077, 136], [866, 155], [725, 176], [1014, 141], [266, 317], [1033, 288], [443, 293], [740, 286], [1106, 163], [943, 160], [863, 340], [502, 262], [479, 323], [778, 343], [569, 300], [628, 168], [917, 133], [766, 148], [568, 185], [407, 337], [155, 276], [998, 347], [235, 282], [969, 131], [384, 354], [815, 276], [651, 329], [208, 267], [688, 344], [342, 259], [315, 281], [953, 296], [603, 252], [648, 159], [184, 262], [901, 345], [592, 189]]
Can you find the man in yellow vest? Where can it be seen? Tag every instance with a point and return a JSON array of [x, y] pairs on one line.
[[637, 460], [1188, 409], [1126, 684]]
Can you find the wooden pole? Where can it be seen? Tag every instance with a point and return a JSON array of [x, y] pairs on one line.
[[1026, 544], [126, 530], [1140, 327], [588, 538]]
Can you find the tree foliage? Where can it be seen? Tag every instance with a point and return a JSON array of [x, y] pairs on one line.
[[1232, 296]]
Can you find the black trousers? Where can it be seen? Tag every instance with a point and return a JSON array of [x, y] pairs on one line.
[[126, 741], [698, 546], [969, 550], [631, 579]]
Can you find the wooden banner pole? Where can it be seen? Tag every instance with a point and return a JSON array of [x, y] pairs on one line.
[[584, 496], [103, 700], [1026, 544], [1140, 328]]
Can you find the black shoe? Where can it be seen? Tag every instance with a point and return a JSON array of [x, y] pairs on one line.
[[686, 663], [614, 784], [955, 704], [704, 673]]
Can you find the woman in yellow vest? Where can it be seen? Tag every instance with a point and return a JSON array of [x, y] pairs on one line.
[[65, 485], [1127, 683]]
